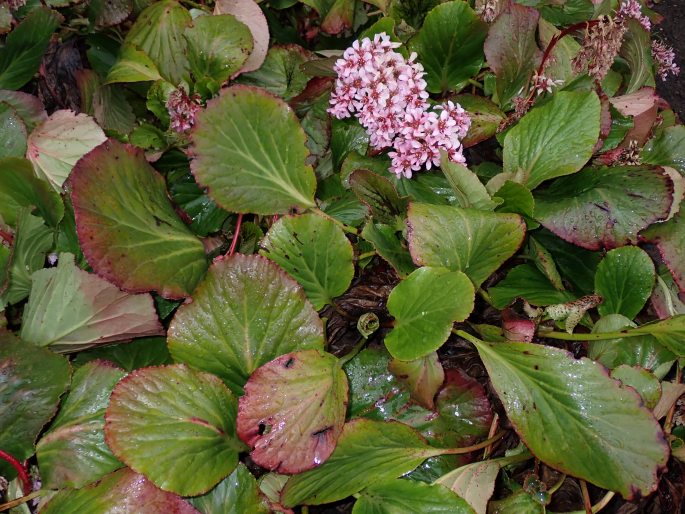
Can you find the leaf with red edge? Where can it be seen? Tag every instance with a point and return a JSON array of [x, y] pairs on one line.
[[605, 207], [127, 227], [423, 377], [669, 238], [121, 491], [293, 411], [249, 13], [464, 406]]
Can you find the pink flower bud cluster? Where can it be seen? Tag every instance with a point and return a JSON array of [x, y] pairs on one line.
[[664, 59], [182, 110], [387, 93], [633, 9]]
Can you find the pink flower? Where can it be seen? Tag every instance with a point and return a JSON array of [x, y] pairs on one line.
[[387, 93], [633, 9], [182, 110], [664, 58]]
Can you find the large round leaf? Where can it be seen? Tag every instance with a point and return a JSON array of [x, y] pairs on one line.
[[575, 418], [174, 425], [121, 491], [250, 152], [605, 207], [315, 251], [425, 305], [624, 280], [404, 496], [245, 313], [128, 229], [73, 452], [539, 148], [297, 428], [450, 46], [475, 242]]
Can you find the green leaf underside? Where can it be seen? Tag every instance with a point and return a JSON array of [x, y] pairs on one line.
[[73, 452], [70, 309], [474, 242], [121, 491], [576, 419], [303, 420], [405, 496], [367, 452], [605, 207], [174, 425], [314, 251], [539, 148], [137, 241], [244, 314], [238, 493], [425, 305], [624, 280], [250, 152], [31, 382]]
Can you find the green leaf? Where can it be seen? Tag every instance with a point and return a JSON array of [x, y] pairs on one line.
[[244, 314], [218, 47], [24, 47], [250, 152], [539, 148], [19, 187], [512, 51], [378, 193], [238, 493], [425, 305], [520, 502], [296, 430], [527, 282], [73, 452], [121, 491], [31, 381], [104, 13], [624, 280], [133, 65], [423, 377], [560, 65], [147, 351], [158, 32], [636, 50], [315, 251], [475, 242], [467, 187], [485, 118], [135, 241], [348, 137], [174, 425], [59, 142], [670, 238], [29, 107], [368, 452], [605, 207], [70, 309], [108, 103], [389, 246], [281, 73], [251, 14], [669, 332], [402, 496], [644, 382], [450, 46], [12, 132], [516, 198], [667, 148], [576, 419]]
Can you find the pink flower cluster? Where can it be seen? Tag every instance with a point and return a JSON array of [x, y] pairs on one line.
[[633, 9], [664, 59], [182, 110], [387, 93]]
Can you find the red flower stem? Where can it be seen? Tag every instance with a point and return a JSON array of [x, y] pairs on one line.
[[21, 471], [231, 250]]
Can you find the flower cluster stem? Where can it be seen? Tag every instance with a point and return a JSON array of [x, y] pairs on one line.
[[20, 469]]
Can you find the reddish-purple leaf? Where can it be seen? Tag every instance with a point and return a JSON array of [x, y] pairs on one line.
[[464, 406], [669, 238], [423, 377], [293, 411]]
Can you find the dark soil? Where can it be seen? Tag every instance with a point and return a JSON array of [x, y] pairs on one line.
[[672, 31]]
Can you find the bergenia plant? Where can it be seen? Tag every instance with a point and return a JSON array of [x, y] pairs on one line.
[[362, 256]]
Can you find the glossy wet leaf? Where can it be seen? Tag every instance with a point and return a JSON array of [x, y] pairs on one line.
[[12, 131], [367, 452], [146, 351], [137, 242], [615, 442], [59, 142], [121, 491], [644, 382], [31, 381], [293, 411], [475, 242], [423, 376], [450, 46], [402, 496], [238, 493], [388, 245], [314, 251], [250, 152], [174, 425], [29, 108], [667, 148], [281, 73], [70, 309], [669, 238], [605, 207], [520, 502], [463, 407], [244, 314], [73, 453], [527, 282], [538, 148], [624, 280], [467, 187], [425, 305]]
